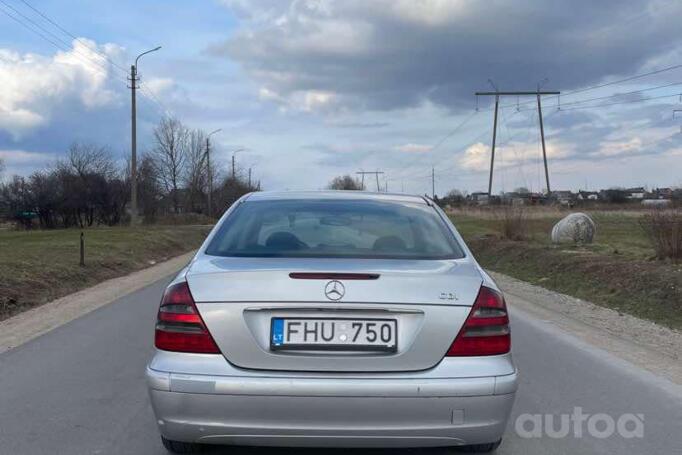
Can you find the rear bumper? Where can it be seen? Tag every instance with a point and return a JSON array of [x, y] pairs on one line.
[[334, 410]]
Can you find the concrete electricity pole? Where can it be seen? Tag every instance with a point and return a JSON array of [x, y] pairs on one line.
[[133, 137], [209, 174], [497, 95]]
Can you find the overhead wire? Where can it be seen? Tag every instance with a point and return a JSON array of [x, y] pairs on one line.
[[95, 65]]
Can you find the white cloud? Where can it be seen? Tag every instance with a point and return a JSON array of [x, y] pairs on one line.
[[160, 85], [23, 157], [614, 148], [33, 86], [21, 162], [428, 12], [477, 156], [413, 148]]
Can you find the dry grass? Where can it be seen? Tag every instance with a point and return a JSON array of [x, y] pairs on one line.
[[42, 265], [513, 223], [619, 270], [664, 229]]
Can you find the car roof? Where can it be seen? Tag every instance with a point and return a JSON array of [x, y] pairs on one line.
[[338, 195]]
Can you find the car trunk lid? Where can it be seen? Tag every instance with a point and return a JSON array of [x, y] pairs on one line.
[[239, 297]]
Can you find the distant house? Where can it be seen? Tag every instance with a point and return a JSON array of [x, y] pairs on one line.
[[564, 197], [588, 195], [662, 193], [479, 197]]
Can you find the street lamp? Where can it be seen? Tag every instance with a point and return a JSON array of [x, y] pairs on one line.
[[208, 169], [133, 138]]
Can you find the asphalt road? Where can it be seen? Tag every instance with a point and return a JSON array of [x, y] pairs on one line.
[[80, 390]]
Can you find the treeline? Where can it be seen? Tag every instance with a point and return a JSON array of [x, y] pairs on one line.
[[89, 187]]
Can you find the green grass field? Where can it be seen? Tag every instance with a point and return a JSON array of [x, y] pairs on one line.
[[41, 265], [618, 270]]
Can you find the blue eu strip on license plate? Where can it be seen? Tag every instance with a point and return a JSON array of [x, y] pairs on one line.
[[277, 332]]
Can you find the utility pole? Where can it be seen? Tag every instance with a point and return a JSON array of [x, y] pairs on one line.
[[497, 94], [376, 173], [234, 168], [133, 136], [249, 177], [209, 173], [544, 151], [433, 183], [133, 145]]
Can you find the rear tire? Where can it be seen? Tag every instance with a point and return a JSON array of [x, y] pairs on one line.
[[480, 448], [181, 447]]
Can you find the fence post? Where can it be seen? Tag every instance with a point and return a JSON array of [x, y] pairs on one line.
[[82, 263]]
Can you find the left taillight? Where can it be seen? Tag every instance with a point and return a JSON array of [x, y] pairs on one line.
[[179, 326]]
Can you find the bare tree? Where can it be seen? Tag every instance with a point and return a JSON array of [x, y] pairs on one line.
[[87, 158], [196, 175], [170, 156], [345, 182]]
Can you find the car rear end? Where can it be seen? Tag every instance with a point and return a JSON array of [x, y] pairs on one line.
[[335, 334]]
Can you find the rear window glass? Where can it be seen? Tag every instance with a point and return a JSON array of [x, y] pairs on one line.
[[334, 229]]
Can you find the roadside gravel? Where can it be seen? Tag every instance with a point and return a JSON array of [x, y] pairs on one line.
[[649, 345]]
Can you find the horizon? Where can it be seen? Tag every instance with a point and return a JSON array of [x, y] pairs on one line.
[[321, 89]]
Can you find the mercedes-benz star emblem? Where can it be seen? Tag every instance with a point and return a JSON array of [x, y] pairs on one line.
[[334, 290]]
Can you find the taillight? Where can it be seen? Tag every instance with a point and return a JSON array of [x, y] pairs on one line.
[[486, 329], [179, 326]]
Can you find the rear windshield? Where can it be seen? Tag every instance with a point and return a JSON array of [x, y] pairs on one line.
[[334, 229]]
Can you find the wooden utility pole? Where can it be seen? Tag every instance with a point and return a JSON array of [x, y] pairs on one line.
[[497, 94]]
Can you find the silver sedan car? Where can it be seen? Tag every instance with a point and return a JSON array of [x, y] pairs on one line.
[[332, 319]]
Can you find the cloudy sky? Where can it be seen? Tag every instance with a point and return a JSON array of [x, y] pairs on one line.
[[318, 88]]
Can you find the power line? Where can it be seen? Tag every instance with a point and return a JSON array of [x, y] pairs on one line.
[[441, 141], [65, 31], [627, 79], [633, 92], [64, 46], [640, 100]]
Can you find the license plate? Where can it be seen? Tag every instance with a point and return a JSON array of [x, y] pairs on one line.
[[334, 334]]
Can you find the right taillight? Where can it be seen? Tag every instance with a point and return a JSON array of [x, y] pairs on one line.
[[179, 326], [486, 329]]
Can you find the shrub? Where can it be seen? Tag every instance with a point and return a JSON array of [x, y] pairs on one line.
[[513, 223], [664, 229]]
